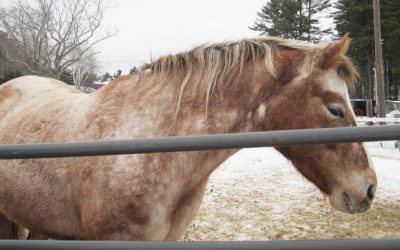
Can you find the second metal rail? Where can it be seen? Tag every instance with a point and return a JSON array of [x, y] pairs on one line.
[[281, 138]]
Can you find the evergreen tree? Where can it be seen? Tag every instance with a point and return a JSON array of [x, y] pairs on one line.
[[356, 17], [9, 75], [133, 70], [312, 9], [294, 19], [106, 77], [67, 78], [390, 11], [117, 74]]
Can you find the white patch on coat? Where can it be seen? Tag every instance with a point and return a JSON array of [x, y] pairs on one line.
[[261, 111], [249, 115], [336, 84]]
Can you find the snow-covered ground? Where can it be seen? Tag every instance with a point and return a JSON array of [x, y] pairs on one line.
[[258, 195]]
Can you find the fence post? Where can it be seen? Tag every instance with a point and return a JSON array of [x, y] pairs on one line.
[[368, 104]]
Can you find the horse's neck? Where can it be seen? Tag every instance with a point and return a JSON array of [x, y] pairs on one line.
[[235, 110], [230, 110], [149, 110]]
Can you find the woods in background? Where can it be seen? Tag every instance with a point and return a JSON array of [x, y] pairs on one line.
[[356, 17], [299, 19]]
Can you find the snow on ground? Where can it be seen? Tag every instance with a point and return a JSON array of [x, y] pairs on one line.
[[258, 195]]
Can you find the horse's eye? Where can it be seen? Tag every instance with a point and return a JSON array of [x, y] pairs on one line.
[[336, 111]]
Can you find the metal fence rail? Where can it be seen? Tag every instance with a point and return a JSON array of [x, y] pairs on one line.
[[201, 142], [366, 244]]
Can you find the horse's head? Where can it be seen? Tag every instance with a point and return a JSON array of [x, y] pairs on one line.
[[317, 97]]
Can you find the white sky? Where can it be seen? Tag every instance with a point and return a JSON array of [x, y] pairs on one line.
[[152, 28]]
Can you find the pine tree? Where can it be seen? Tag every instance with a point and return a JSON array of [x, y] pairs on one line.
[[106, 77], [313, 8], [295, 19], [117, 74], [133, 70], [9, 76], [356, 17], [390, 11]]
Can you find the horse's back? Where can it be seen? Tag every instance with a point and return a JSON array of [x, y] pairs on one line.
[[27, 88], [31, 102], [32, 85]]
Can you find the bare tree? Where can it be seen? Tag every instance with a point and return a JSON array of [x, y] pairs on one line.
[[83, 68], [53, 35], [6, 65]]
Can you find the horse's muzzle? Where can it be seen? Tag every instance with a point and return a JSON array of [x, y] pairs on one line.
[[353, 206], [353, 202]]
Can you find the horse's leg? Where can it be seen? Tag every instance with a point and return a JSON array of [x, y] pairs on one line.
[[53, 212], [8, 229], [5, 228], [186, 211], [36, 236]]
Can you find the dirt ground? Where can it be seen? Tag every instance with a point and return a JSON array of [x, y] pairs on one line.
[[257, 195]]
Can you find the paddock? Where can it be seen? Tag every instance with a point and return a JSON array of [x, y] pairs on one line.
[[258, 195]]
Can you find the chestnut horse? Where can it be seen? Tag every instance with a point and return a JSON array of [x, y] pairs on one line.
[[247, 85]]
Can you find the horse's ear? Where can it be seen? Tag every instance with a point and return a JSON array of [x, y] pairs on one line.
[[332, 52]]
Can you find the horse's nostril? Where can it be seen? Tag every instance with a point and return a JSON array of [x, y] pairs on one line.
[[346, 198], [370, 192]]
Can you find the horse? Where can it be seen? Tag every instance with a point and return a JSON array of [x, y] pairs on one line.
[[254, 84]]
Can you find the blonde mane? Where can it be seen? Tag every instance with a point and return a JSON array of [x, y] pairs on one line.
[[216, 64]]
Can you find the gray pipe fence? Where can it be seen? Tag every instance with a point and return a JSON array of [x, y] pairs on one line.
[[281, 138], [366, 244], [202, 142]]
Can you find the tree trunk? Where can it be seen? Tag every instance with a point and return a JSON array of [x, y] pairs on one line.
[[386, 79], [370, 83], [396, 87]]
